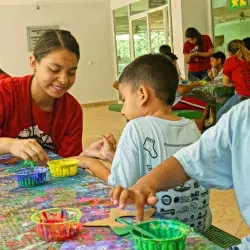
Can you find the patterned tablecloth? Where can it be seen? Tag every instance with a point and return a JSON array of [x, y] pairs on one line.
[[212, 92], [82, 191]]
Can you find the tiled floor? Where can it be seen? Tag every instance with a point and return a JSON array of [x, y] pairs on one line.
[[226, 215]]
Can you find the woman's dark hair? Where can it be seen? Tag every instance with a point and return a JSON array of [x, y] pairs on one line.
[[246, 41], [194, 33], [52, 40], [237, 48]]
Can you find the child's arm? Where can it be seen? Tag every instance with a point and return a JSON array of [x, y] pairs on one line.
[[103, 149], [185, 89], [97, 168]]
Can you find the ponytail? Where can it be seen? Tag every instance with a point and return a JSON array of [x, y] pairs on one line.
[[237, 48], [243, 54]]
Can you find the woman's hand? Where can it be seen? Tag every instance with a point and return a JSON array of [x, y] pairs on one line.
[[28, 149], [187, 58]]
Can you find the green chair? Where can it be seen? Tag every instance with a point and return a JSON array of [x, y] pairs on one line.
[[115, 107], [221, 238], [189, 114]]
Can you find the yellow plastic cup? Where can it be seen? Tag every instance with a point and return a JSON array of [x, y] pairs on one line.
[[63, 168]]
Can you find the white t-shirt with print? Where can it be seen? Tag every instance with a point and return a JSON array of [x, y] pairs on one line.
[[144, 144]]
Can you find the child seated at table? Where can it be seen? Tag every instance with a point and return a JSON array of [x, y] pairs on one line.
[[184, 102], [217, 63], [148, 87]]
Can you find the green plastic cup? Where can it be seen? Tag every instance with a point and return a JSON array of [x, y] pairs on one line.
[[169, 235]]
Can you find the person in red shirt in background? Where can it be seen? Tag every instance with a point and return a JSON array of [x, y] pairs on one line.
[[36, 112], [3, 75], [236, 73], [197, 51]]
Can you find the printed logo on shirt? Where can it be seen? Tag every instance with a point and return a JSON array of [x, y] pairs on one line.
[[204, 194], [182, 210], [166, 200], [37, 134], [203, 206], [182, 199], [183, 188], [193, 206], [195, 196], [167, 212], [149, 168], [196, 185], [149, 145]]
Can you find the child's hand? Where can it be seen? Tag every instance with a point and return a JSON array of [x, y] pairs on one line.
[[108, 149], [141, 194], [94, 149], [28, 149], [210, 74]]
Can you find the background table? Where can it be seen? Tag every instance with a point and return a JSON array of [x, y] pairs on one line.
[[82, 191], [213, 94]]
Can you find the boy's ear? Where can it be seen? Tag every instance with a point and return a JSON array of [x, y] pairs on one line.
[[144, 94]]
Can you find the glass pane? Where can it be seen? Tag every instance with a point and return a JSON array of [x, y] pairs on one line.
[[122, 37], [229, 25], [140, 37], [144, 5], [157, 32]]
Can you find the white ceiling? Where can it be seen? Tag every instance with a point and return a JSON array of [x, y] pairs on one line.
[[24, 2]]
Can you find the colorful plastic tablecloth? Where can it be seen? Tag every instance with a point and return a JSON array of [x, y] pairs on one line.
[[82, 191]]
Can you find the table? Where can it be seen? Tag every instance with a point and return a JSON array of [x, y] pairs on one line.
[[214, 94], [82, 191]]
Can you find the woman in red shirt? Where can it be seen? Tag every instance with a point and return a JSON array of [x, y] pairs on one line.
[[3, 75], [236, 73], [197, 51], [36, 109]]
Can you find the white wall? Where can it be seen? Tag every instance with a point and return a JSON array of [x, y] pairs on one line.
[[89, 22], [119, 3]]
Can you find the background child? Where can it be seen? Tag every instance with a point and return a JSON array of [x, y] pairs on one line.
[[37, 109], [184, 102], [217, 63], [148, 87]]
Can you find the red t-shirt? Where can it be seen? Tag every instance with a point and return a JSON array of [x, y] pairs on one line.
[[198, 63], [16, 122], [239, 73], [3, 76]]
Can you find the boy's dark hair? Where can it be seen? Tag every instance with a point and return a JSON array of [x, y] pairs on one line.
[[246, 42], [165, 49], [173, 57], [219, 55], [156, 71], [52, 40]]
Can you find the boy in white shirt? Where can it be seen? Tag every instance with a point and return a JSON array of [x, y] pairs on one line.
[[148, 87], [217, 62]]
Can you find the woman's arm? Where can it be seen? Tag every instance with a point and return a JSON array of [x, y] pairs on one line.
[[226, 81], [206, 54]]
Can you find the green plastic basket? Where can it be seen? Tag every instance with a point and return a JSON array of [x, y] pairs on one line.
[[170, 235]]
